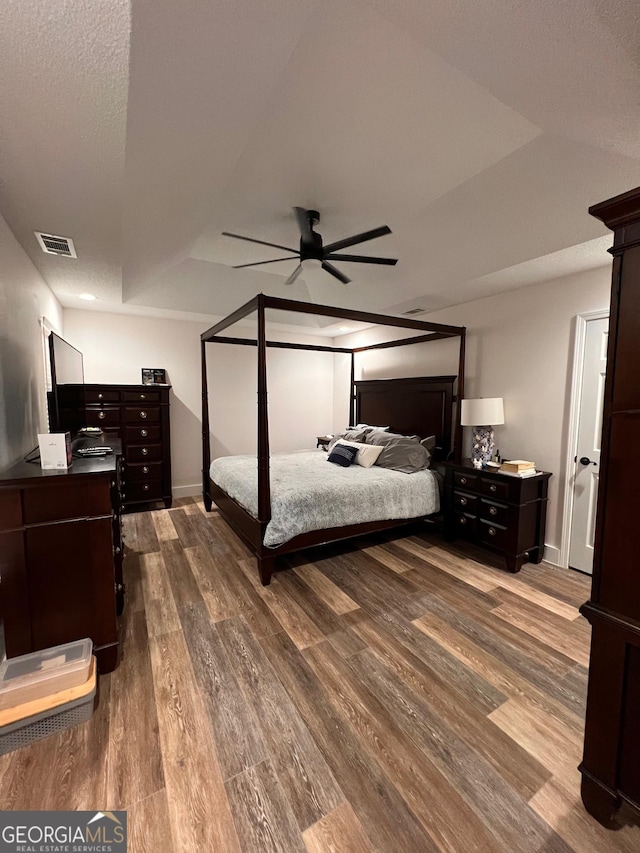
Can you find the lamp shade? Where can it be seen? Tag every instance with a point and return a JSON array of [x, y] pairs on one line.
[[485, 411]]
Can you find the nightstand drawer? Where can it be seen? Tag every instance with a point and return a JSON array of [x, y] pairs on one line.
[[465, 502], [466, 481], [496, 489], [498, 513], [492, 534], [466, 525]]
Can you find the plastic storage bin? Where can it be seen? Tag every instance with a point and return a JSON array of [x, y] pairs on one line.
[[42, 717], [38, 674]]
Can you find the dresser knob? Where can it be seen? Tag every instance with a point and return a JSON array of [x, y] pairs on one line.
[[144, 433], [493, 510], [100, 396], [463, 480], [463, 519], [143, 396], [145, 469], [145, 451], [101, 415], [145, 488], [116, 550], [143, 414], [492, 531], [492, 487], [463, 501]]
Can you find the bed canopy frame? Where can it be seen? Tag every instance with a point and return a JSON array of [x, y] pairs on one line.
[[366, 397]]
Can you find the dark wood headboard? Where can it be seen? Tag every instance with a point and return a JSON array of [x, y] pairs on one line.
[[422, 406]]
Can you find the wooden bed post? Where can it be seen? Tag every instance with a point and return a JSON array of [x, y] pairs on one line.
[[457, 433], [265, 564], [206, 448], [352, 397]]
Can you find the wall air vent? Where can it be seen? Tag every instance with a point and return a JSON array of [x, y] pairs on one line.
[[52, 244], [414, 311]]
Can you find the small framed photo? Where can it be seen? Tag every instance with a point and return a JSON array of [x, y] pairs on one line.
[[154, 376]]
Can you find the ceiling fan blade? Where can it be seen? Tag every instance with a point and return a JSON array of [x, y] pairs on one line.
[[363, 259], [304, 224], [261, 242], [358, 238], [335, 272], [259, 263], [294, 275]]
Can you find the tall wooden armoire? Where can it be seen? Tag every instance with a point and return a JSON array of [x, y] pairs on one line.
[[611, 763]]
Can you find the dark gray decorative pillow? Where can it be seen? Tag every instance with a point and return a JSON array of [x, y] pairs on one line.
[[343, 454]]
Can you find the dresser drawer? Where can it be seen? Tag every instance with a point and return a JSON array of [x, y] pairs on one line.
[[140, 414], [465, 502], [142, 396], [142, 490], [108, 416], [142, 471], [465, 525], [143, 433], [492, 534], [143, 452], [493, 512], [97, 396], [466, 481]]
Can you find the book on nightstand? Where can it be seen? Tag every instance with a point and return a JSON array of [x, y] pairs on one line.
[[526, 472], [518, 468]]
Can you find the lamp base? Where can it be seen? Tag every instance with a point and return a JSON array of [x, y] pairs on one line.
[[483, 446]]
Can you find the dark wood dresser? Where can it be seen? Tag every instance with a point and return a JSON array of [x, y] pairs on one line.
[[139, 416], [611, 763], [502, 513], [61, 556]]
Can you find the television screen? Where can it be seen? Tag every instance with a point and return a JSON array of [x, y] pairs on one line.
[[67, 368]]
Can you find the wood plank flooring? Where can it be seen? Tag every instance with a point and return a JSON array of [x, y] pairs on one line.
[[402, 696]]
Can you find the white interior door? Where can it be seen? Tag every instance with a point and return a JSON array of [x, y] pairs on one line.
[[587, 463]]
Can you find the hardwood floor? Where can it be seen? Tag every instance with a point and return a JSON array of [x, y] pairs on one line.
[[402, 697]]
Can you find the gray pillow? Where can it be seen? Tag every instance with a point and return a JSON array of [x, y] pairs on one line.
[[402, 454], [429, 444], [349, 435]]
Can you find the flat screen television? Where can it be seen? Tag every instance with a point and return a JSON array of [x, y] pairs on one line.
[[67, 368]]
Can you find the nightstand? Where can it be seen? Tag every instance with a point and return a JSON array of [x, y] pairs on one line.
[[502, 513]]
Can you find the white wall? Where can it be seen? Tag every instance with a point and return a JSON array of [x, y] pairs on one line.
[[519, 347], [117, 346], [24, 300]]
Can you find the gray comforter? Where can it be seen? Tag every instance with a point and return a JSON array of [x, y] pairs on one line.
[[310, 493]]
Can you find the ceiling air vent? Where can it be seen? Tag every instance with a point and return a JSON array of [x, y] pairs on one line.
[[414, 311], [52, 244]]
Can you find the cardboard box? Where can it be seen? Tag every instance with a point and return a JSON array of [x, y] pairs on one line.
[[55, 450]]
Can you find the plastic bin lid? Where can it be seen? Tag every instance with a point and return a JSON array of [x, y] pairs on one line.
[[45, 665]]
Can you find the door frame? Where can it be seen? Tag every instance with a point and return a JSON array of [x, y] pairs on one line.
[[572, 431]]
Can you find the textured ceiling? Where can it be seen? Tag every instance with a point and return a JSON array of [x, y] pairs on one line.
[[479, 131]]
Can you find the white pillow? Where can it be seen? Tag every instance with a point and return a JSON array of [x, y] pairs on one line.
[[369, 426], [367, 453]]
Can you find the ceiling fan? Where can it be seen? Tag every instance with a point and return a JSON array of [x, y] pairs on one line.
[[312, 252]]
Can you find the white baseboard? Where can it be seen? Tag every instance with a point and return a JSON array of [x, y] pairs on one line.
[[551, 555], [187, 491]]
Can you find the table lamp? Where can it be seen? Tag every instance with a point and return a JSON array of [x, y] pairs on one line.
[[482, 415]]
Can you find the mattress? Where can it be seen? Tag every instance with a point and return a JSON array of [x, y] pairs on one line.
[[310, 493]]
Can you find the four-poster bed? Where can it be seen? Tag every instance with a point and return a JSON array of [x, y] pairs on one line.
[[421, 406]]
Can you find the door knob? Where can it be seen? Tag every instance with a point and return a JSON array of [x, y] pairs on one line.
[[584, 460]]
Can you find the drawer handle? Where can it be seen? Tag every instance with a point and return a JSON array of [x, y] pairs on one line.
[[463, 519], [143, 396], [116, 550], [100, 396], [463, 480], [145, 469], [143, 414], [145, 451], [493, 510], [144, 433], [492, 487], [492, 531], [145, 488], [101, 415], [463, 501]]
